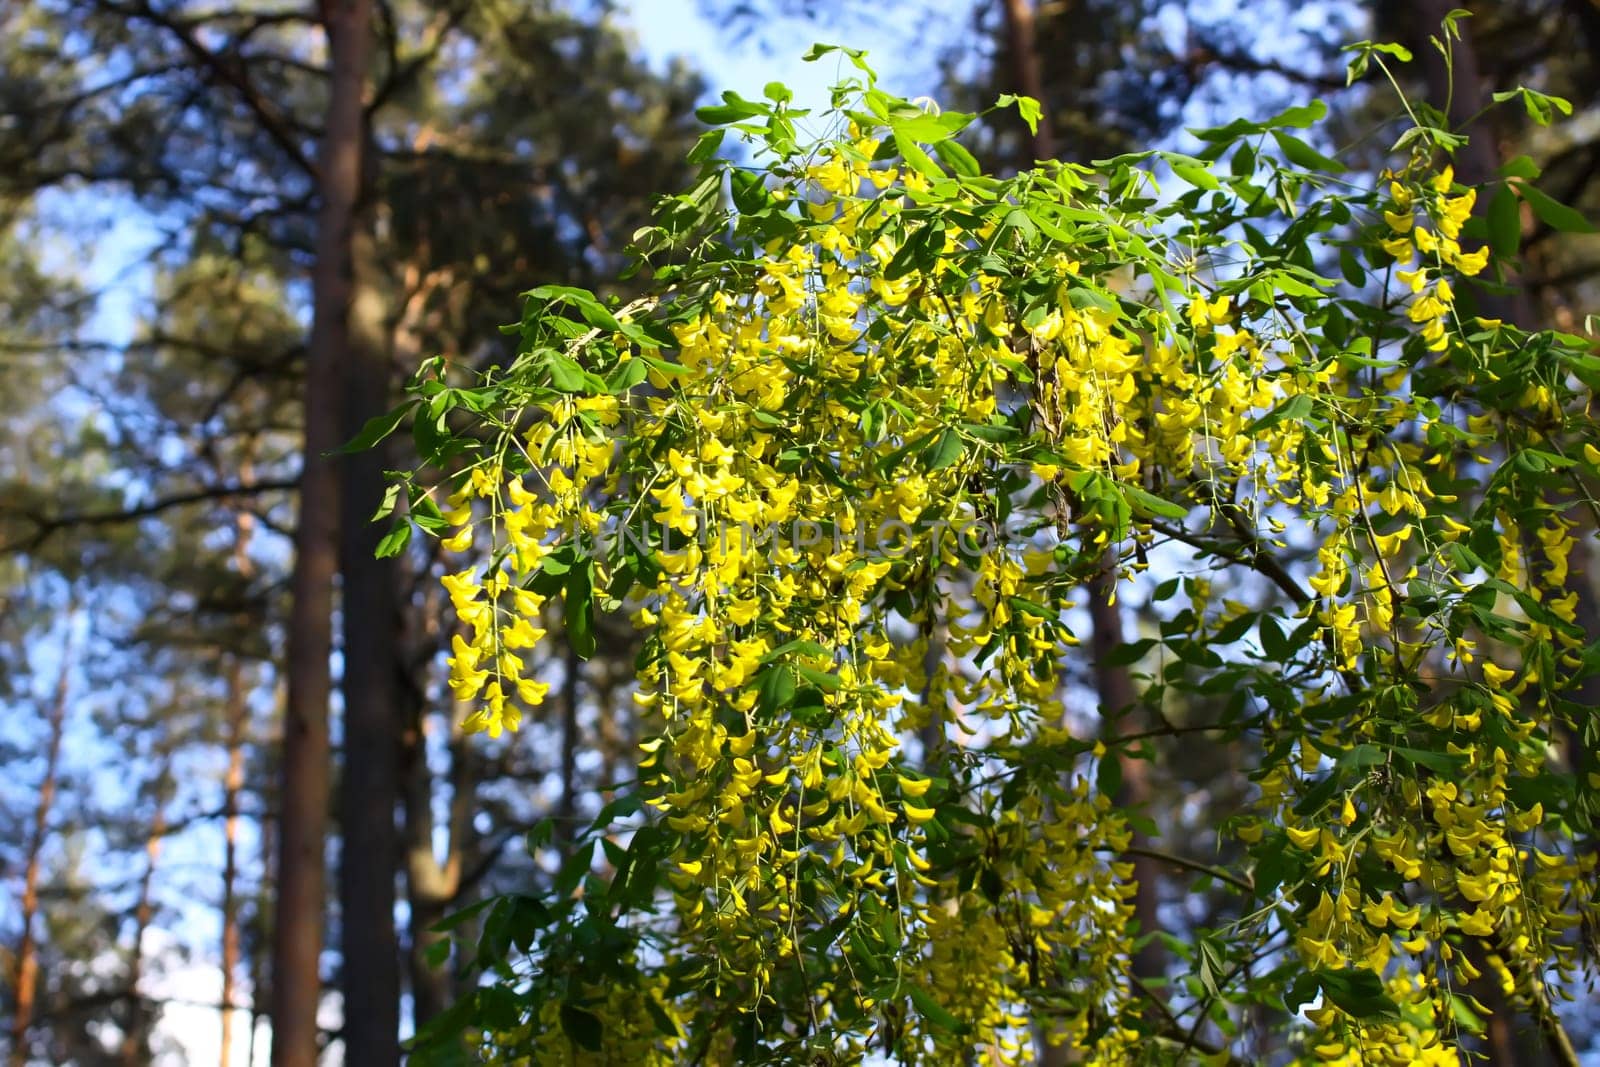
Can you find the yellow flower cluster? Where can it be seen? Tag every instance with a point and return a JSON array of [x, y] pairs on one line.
[[787, 510]]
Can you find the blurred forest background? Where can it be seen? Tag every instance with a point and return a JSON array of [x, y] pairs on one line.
[[235, 794]]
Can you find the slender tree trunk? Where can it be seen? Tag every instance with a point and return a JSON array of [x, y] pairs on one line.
[[1114, 683], [433, 885], [258, 959], [297, 933], [1025, 72], [1478, 161], [233, 786], [135, 1039], [567, 809], [932, 733], [370, 781], [27, 976], [237, 712]]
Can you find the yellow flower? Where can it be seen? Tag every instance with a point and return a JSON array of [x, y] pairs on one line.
[[1303, 837], [1496, 676]]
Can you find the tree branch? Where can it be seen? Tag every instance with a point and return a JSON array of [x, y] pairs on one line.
[[47, 526]]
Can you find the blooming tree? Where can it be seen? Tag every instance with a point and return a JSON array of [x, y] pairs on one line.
[[855, 465]]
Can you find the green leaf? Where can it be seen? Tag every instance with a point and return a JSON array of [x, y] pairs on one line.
[[823, 680], [1519, 167], [1361, 757], [915, 157], [945, 451], [582, 1027], [565, 374], [1505, 222], [957, 158], [1274, 642], [925, 128], [705, 148], [776, 690], [750, 193], [1150, 504], [1359, 993], [1301, 154], [1302, 991], [734, 108], [1301, 117], [1212, 966], [455, 919], [1197, 176], [1027, 107], [395, 541], [588, 305], [628, 375], [777, 92], [1555, 214], [378, 427], [1296, 407], [935, 1012], [663, 1022]]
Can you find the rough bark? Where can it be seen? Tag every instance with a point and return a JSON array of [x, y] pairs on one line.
[[1022, 48], [27, 971], [370, 781], [298, 928]]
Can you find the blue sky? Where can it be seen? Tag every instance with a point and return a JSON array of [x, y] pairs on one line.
[[904, 59]]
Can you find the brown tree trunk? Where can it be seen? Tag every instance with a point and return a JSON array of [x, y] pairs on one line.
[[1478, 161], [432, 885], [259, 981], [27, 976], [233, 786], [932, 733], [297, 932], [136, 1037], [567, 808], [370, 780], [1114, 683], [237, 719], [1023, 50]]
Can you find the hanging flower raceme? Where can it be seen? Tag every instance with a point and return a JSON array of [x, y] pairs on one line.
[[855, 466]]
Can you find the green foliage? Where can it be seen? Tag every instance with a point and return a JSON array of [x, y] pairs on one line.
[[1146, 389]]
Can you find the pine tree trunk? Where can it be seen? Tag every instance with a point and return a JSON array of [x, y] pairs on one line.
[[27, 974], [433, 885], [1117, 696], [567, 808], [233, 785], [1478, 161], [135, 1038], [259, 980], [237, 719], [298, 926], [1025, 73], [370, 782]]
